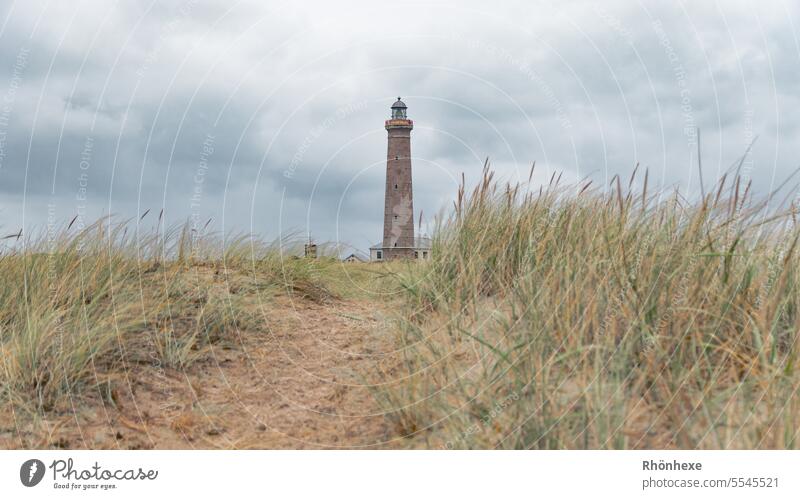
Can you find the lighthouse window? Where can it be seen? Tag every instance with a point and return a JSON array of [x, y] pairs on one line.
[[395, 186], [397, 157], [395, 245], [379, 254], [395, 217]]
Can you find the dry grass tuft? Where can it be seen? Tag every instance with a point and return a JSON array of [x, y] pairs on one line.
[[570, 318], [78, 307]]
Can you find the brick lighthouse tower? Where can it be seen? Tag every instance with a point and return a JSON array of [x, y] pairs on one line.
[[399, 240]]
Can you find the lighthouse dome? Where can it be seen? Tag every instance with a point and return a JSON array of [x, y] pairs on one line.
[[399, 109]]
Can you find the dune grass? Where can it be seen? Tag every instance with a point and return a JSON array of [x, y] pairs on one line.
[[573, 318], [566, 317], [77, 307]]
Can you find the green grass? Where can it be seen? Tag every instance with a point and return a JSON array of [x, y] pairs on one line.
[[566, 317], [77, 307], [571, 318]]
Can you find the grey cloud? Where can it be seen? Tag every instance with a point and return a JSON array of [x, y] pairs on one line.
[[305, 90]]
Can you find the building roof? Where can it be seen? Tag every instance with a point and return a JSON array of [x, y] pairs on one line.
[[419, 243], [356, 256], [399, 104]]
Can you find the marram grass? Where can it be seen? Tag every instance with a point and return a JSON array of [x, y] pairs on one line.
[[565, 317], [77, 307], [572, 318]]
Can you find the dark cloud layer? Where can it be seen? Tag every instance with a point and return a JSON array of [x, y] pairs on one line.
[[269, 118]]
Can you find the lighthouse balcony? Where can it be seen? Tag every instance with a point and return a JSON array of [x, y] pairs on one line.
[[399, 123]]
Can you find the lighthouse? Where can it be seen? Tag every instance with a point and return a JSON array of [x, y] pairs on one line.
[[399, 239]]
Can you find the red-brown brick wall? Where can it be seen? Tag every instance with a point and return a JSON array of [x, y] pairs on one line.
[[398, 215]]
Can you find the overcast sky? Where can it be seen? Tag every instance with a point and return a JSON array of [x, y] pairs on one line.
[[268, 116]]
